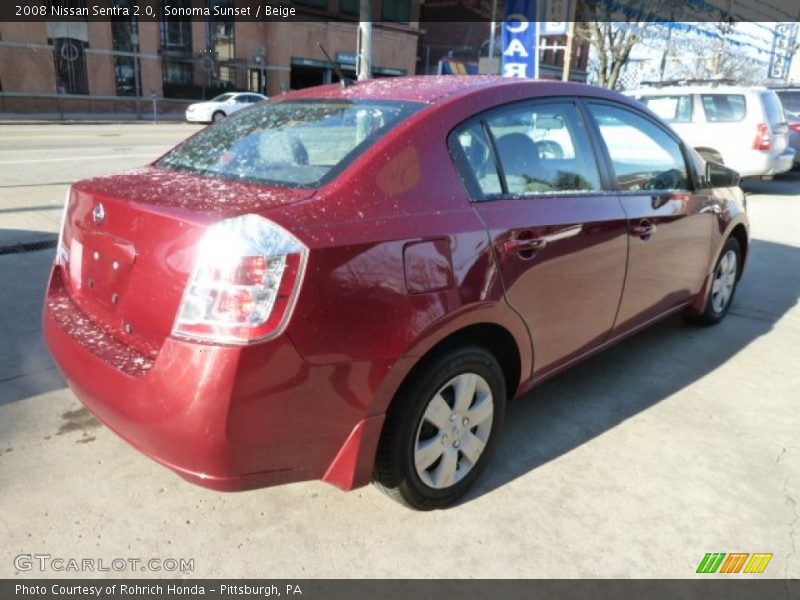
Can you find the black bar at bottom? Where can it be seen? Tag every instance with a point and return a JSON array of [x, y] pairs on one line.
[[711, 588]]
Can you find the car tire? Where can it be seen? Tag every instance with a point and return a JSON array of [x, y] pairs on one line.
[[724, 280], [217, 116], [441, 428]]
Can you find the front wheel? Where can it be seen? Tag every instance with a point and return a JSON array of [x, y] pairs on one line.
[[441, 428], [723, 284], [217, 116]]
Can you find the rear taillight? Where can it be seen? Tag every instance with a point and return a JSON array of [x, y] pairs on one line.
[[62, 252], [763, 139], [245, 283], [795, 127]]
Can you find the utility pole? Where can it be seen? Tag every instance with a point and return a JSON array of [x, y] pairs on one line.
[[364, 43], [663, 66], [568, 51], [492, 27]]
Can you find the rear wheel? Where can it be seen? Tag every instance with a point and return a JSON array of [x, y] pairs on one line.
[[218, 116], [441, 429], [723, 284]]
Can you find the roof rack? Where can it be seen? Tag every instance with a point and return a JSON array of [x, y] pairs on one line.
[[681, 82]]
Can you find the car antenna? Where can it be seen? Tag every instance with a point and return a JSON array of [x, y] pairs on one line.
[[344, 81]]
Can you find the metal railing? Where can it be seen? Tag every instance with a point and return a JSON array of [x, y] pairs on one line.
[[79, 106]]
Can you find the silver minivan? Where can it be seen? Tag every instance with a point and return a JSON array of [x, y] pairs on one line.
[[743, 128]]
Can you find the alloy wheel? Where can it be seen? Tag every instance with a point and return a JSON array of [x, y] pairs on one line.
[[454, 430], [724, 281]]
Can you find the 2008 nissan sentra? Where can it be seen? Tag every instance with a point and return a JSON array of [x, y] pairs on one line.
[[350, 283]]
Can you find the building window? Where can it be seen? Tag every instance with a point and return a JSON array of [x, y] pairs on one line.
[[398, 11], [221, 45], [350, 7], [317, 3], [70, 66], [125, 38], [227, 76], [176, 33], [178, 73], [221, 36], [126, 75]]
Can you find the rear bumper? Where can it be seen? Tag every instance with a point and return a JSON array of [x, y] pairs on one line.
[[223, 417], [764, 163]]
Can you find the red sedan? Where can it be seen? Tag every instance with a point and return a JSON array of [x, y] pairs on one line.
[[350, 283]]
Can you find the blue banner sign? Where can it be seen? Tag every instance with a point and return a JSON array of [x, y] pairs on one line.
[[520, 39], [783, 46]]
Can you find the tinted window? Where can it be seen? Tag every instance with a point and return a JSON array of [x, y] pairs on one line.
[[543, 149], [222, 98], [773, 108], [790, 100], [644, 156], [724, 108], [673, 109], [478, 160], [288, 143]]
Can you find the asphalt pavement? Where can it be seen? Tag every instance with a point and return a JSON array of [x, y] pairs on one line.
[[677, 442]]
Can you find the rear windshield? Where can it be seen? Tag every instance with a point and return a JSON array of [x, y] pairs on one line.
[[774, 108], [790, 100], [724, 108], [673, 109], [294, 143]]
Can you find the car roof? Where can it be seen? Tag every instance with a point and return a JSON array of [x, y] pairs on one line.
[[682, 90], [432, 88]]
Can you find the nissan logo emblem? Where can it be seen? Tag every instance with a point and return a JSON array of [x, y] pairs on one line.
[[99, 214]]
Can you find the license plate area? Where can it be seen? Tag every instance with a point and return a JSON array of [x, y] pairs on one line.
[[104, 264]]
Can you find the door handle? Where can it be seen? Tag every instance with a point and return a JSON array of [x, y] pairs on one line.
[[643, 229], [524, 245]]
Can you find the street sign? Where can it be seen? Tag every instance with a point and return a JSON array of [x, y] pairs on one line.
[[783, 44], [557, 15], [520, 55]]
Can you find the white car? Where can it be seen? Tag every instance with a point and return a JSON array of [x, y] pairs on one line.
[[743, 128], [220, 107]]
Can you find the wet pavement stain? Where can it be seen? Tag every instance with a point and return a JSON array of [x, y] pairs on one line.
[[78, 420]]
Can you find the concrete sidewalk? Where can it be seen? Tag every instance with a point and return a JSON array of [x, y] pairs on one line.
[[38, 162], [677, 442]]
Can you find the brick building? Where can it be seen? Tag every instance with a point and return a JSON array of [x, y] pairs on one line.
[[80, 65]]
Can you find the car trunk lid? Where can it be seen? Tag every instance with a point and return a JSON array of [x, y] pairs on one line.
[[131, 241]]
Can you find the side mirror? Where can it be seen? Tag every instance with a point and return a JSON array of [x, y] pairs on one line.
[[719, 176]]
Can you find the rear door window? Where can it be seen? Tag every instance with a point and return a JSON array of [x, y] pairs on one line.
[[543, 149], [644, 156], [475, 157], [773, 108], [724, 108], [673, 109]]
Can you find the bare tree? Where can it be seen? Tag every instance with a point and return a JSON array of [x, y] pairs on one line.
[[703, 57], [615, 29]]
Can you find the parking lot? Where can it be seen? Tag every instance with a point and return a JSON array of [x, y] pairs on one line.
[[677, 442]]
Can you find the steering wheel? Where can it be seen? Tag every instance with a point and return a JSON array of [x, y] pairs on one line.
[[668, 180]]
